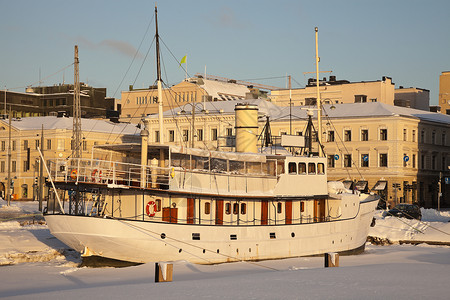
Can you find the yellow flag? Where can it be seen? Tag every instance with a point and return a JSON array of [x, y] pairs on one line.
[[183, 60]]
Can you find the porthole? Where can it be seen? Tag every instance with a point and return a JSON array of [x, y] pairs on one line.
[[292, 234], [163, 235], [217, 250], [204, 250], [179, 251]]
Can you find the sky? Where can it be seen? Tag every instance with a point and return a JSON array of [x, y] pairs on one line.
[[260, 41]]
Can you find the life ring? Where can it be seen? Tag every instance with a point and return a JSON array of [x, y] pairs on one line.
[[151, 209], [96, 173], [74, 174]]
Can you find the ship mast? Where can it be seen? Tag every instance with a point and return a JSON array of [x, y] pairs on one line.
[[159, 82], [319, 101], [76, 130]]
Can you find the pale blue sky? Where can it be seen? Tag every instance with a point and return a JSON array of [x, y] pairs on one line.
[[358, 40]]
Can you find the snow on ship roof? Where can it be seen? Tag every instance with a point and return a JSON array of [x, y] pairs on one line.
[[53, 122], [275, 112]]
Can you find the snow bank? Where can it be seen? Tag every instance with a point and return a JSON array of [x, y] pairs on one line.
[[434, 227]]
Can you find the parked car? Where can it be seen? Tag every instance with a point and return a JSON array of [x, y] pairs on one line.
[[403, 210]]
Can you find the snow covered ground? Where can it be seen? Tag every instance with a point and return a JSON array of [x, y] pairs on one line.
[[35, 265]]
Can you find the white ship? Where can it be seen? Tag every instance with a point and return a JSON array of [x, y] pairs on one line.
[[143, 203]]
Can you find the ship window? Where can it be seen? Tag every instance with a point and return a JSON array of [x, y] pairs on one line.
[[207, 208], [243, 208], [311, 168], [302, 206], [292, 168], [301, 168], [228, 208], [196, 236], [236, 208], [320, 169], [272, 235], [158, 205], [279, 207], [233, 237]]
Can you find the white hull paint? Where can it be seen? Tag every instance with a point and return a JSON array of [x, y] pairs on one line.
[[141, 241]]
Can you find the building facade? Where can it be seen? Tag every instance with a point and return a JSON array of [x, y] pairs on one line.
[[49, 100], [138, 103], [444, 92], [412, 97], [401, 153], [26, 138], [334, 91]]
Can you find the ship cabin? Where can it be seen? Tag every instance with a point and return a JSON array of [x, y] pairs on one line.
[[194, 186]]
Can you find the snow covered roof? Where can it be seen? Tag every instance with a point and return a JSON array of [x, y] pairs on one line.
[[275, 112], [53, 122], [221, 90]]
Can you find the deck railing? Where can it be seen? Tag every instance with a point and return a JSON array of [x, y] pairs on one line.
[[130, 175]]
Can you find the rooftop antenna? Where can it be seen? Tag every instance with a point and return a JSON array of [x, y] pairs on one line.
[[319, 102]]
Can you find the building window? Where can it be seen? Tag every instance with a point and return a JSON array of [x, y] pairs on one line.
[[25, 166], [360, 98], [310, 101], [413, 136], [383, 160], [156, 136], [331, 136], [171, 135], [25, 144], [36, 144], [383, 134], [347, 135], [49, 144], [60, 145], [443, 142], [13, 166], [2, 166], [330, 160], [373, 100], [84, 145], [433, 162], [364, 135], [405, 134], [229, 131], [413, 160], [365, 160], [3, 145], [185, 135], [347, 161], [422, 162], [444, 165], [199, 134], [404, 160], [422, 136], [433, 137], [14, 146], [214, 134]]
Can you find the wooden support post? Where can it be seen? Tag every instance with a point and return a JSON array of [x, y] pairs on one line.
[[163, 272], [331, 260]]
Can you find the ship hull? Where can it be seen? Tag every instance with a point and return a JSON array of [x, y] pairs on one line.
[[143, 241]]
